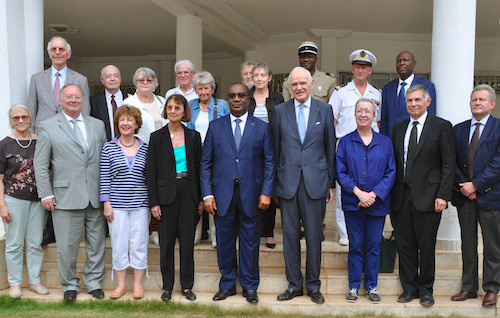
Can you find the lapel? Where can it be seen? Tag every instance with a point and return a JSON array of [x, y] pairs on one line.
[[188, 144], [249, 127], [166, 143], [486, 131], [68, 130], [425, 133], [313, 115], [228, 132], [399, 144], [292, 119], [90, 131], [47, 74]]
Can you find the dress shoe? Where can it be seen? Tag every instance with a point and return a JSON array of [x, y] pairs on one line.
[[224, 293], [48, 237], [117, 293], [251, 296], [316, 296], [290, 294], [490, 299], [15, 292], [464, 295], [39, 289], [427, 300], [406, 297], [97, 293], [70, 295], [189, 294], [167, 295]]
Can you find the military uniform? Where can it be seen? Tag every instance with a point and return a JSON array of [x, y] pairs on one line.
[[323, 87]]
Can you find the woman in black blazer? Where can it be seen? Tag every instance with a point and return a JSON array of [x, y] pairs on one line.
[[174, 192], [262, 103]]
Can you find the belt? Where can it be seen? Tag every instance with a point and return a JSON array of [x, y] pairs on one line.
[[180, 175]]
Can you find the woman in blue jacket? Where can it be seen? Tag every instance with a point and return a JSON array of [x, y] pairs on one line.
[[366, 171]]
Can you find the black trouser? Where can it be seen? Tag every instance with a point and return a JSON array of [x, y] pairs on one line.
[[268, 220], [178, 220]]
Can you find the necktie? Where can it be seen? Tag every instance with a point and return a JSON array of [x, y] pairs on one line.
[[472, 151], [78, 133], [301, 123], [57, 89], [237, 133], [114, 107], [410, 156], [402, 97]]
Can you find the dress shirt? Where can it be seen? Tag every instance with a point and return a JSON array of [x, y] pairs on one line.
[[481, 127], [306, 109], [189, 95], [420, 126], [119, 102], [80, 123], [62, 76], [408, 82], [242, 124]]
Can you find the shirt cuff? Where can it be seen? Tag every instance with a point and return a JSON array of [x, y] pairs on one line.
[[207, 197], [47, 197], [104, 197]]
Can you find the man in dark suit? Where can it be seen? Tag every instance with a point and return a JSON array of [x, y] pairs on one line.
[[304, 146], [424, 149], [104, 104], [393, 94], [237, 172], [477, 194]]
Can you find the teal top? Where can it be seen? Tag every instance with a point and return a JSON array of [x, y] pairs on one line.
[[180, 159]]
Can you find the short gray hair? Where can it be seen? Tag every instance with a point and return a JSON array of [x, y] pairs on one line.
[[21, 107], [418, 87], [486, 87], [245, 64], [365, 100], [263, 66], [188, 63], [146, 72], [203, 77], [68, 46], [300, 68]]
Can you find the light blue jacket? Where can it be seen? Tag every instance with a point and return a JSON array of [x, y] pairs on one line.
[[222, 110]]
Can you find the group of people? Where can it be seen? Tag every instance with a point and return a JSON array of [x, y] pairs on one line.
[[119, 159]]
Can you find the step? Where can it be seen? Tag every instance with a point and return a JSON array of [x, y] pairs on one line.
[[335, 305]]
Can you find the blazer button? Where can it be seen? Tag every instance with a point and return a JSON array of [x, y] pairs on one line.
[[300, 166], [83, 151], [237, 160], [86, 181]]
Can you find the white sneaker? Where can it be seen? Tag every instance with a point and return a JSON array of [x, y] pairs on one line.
[[344, 241], [214, 244], [153, 238]]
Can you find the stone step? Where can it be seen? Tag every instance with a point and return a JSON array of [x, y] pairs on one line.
[[272, 280], [334, 305]]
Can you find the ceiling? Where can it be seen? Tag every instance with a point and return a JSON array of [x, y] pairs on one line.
[[148, 27]]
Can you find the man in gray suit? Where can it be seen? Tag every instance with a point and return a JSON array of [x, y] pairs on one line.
[[70, 144], [304, 143], [43, 96]]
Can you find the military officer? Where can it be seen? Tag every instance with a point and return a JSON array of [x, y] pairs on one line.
[[324, 83]]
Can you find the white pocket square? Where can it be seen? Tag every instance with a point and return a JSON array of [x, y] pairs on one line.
[[317, 123]]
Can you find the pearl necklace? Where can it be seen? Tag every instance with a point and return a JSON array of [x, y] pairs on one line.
[[20, 145]]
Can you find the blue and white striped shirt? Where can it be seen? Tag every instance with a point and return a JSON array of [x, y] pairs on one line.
[[123, 183]]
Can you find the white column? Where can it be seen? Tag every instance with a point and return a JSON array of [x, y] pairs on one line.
[[35, 48], [453, 44], [189, 40]]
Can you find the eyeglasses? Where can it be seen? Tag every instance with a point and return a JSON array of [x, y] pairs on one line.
[[240, 95], [17, 118], [183, 73], [70, 97], [145, 80], [364, 111]]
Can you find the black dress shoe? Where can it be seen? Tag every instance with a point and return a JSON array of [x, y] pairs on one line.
[[271, 245], [290, 294], [97, 293], [189, 294], [70, 295], [316, 296], [427, 300], [224, 293], [251, 296], [167, 295], [406, 297]]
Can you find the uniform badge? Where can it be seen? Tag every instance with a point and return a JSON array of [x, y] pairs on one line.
[[362, 53], [319, 88]]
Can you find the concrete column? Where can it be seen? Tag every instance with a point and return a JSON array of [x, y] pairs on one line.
[[454, 24], [328, 54], [189, 40], [35, 48]]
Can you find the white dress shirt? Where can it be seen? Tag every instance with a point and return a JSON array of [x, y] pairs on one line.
[[408, 82], [243, 118], [481, 127], [306, 110], [420, 126]]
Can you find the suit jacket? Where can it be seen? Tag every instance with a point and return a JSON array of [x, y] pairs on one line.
[[486, 164], [252, 163], [273, 100], [161, 167], [391, 113], [99, 110], [41, 95], [433, 171], [314, 160], [75, 170]]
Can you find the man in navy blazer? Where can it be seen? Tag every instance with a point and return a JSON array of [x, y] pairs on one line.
[[237, 173], [304, 149], [477, 194], [393, 111]]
